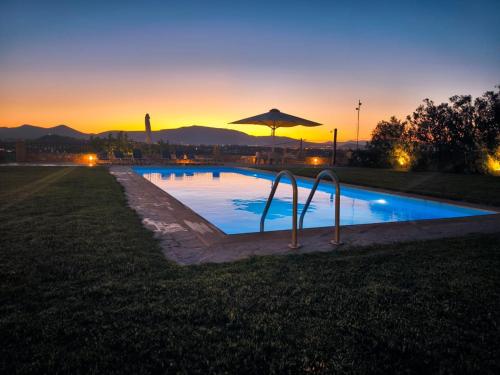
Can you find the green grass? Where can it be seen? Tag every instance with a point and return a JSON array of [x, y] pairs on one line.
[[470, 188], [84, 288]]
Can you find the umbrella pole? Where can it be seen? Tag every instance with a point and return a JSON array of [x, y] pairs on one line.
[[273, 129]]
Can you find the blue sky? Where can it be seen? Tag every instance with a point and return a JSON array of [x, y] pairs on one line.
[[319, 53]]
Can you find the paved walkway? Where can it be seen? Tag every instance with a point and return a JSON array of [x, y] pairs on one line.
[[187, 238]]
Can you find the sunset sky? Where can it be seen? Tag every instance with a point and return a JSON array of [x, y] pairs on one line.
[[101, 65]]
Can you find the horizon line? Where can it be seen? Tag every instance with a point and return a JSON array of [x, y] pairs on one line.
[[168, 129]]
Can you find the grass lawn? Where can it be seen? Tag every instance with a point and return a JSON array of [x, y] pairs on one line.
[[85, 288], [470, 188]]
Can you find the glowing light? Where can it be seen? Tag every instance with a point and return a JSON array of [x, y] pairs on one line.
[[381, 201], [89, 159], [315, 161], [493, 162], [402, 157]]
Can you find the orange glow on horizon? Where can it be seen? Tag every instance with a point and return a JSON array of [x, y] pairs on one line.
[[91, 123], [94, 103]]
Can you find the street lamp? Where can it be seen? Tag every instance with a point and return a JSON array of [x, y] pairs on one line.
[[334, 146], [358, 108]]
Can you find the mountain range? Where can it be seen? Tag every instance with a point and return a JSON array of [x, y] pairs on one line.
[[34, 132], [188, 135]]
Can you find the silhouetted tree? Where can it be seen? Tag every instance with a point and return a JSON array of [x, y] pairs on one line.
[[487, 119], [385, 137], [456, 136], [427, 128], [97, 144], [110, 143]]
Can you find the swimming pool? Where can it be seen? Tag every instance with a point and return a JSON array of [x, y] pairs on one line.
[[233, 200]]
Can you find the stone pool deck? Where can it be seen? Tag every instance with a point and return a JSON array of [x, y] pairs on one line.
[[187, 238]]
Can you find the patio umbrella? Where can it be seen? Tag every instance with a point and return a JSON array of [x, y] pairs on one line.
[[276, 119]]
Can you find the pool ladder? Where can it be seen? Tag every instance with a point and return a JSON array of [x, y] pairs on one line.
[[324, 173], [293, 244], [335, 180]]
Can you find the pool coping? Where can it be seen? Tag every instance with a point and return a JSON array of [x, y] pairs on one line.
[[188, 238]]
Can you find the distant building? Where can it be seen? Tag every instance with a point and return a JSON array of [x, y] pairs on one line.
[[149, 139]]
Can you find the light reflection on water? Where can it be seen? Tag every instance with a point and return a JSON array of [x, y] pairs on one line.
[[280, 207], [233, 200]]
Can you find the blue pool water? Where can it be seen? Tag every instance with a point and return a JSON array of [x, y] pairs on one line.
[[233, 199]]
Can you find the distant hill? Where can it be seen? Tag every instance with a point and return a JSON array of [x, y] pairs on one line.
[[188, 135], [54, 139], [34, 132], [196, 135]]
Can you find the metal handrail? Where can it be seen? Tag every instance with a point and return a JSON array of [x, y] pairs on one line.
[[293, 244], [335, 179]]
